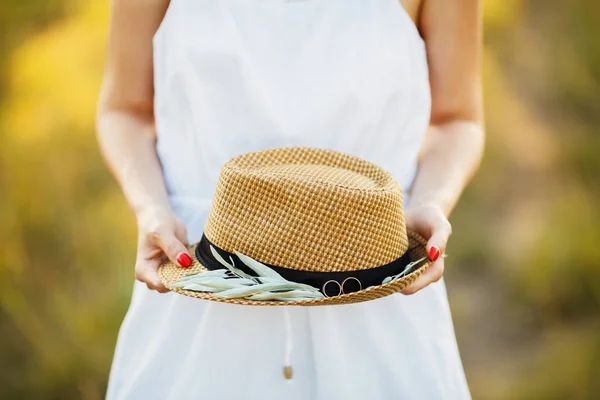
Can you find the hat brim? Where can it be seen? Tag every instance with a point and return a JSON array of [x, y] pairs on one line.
[[169, 273]]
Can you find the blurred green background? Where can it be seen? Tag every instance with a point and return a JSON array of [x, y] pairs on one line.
[[524, 271]]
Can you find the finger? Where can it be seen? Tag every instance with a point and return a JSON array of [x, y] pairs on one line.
[[175, 250], [181, 234], [432, 274], [419, 224], [147, 272], [159, 289], [438, 240]]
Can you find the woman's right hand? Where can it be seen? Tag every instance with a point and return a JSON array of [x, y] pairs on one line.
[[161, 235]]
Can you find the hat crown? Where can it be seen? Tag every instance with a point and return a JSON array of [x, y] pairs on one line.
[[308, 209]]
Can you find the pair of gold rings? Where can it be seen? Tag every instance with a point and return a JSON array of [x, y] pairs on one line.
[[340, 286]]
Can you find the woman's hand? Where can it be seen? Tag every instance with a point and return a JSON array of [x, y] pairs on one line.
[[429, 220], [160, 235]]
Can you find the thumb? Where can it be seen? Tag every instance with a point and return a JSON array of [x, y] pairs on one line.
[[174, 249], [436, 245]]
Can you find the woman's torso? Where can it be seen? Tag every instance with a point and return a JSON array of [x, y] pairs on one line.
[[233, 76]]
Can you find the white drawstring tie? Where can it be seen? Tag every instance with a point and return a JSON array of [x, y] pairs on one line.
[[288, 372]]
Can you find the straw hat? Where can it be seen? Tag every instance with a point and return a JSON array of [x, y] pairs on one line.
[[301, 226]]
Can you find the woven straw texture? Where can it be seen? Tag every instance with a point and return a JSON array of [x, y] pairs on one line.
[[308, 209], [170, 273], [311, 210]]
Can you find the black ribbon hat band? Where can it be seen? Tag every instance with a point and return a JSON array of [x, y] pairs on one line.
[[332, 282]]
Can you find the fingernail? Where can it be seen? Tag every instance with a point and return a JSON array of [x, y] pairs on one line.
[[434, 253], [184, 260]]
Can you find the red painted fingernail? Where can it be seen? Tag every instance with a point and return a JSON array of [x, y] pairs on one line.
[[184, 260], [434, 253]]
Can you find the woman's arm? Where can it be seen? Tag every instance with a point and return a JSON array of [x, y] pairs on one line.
[[125, 125], [454, 144]]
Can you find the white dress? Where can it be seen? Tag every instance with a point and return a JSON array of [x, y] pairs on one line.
[[233, 76]]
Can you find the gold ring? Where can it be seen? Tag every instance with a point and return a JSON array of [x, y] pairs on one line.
[[356, 279], [325, 286]]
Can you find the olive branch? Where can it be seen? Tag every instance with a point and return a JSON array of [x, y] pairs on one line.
[[232, 282]]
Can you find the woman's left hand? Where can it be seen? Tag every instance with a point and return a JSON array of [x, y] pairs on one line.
[[430, 221]]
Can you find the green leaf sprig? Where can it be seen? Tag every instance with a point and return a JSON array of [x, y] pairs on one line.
[[232, 282]]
